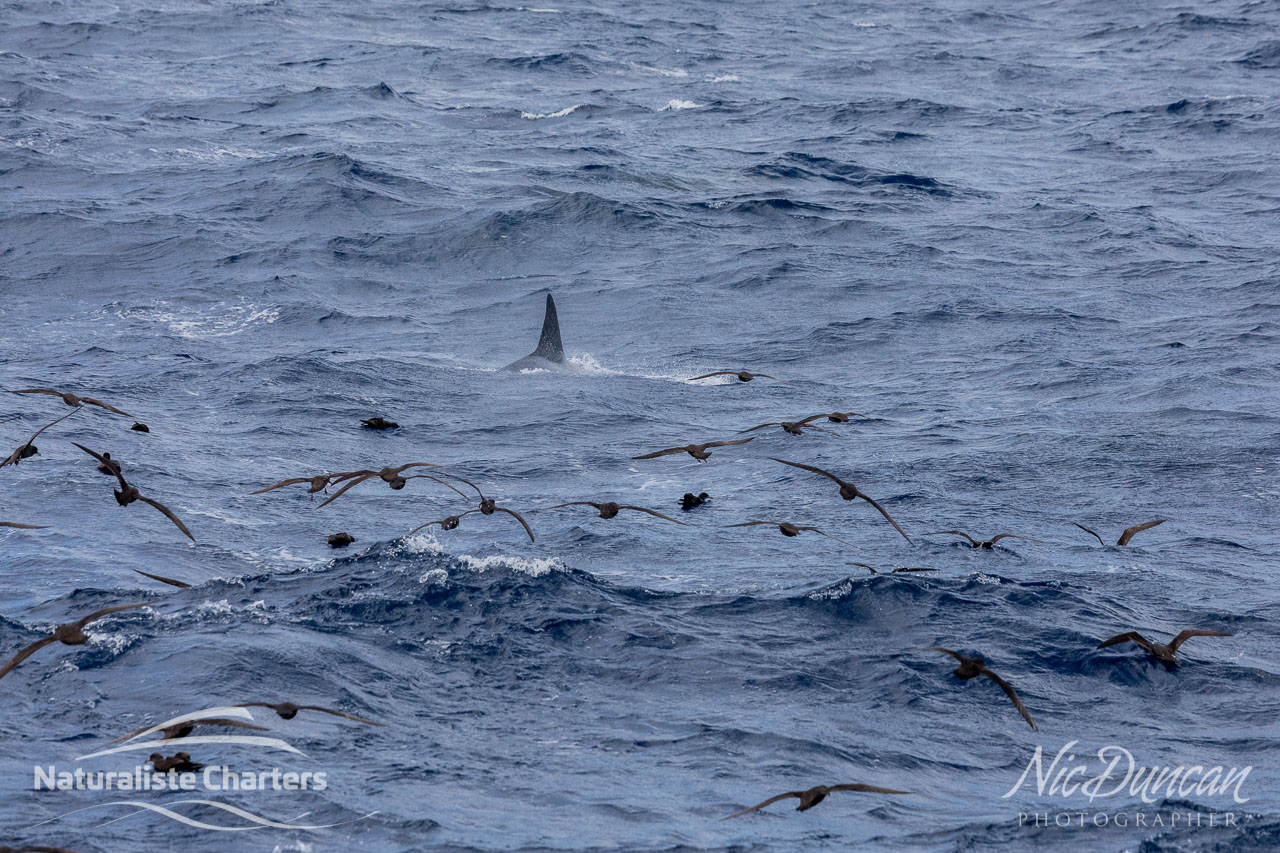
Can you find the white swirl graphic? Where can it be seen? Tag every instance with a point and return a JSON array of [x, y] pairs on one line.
[[235, 810]]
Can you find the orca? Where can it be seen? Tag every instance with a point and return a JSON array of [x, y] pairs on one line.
[[550, 352]]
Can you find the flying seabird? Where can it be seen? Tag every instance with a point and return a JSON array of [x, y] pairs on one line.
[[690, 500], [792, 427], [27, 450], [72, 400], [894, 571], [179, 762], [163, 579], [988, 543], [818, 793], [318, 483], [788, 529], [973, 667], [697, 451], [341, 540], [379, 423], [288, 710], [610, 509], [36, 848], [1128, 534], [1162, 653], [71, 634], [488, 506], [836, 417], [449, 523], [392, 476], [743, 376], [181, 730], [127, 494], [848, 491]]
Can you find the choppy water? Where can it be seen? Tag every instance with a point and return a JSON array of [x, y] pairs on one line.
[[1037, 245]]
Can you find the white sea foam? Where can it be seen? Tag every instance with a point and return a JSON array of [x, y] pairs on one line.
[[219, 321], [677, 104], [557, 114], [426, 543], [726, 78]]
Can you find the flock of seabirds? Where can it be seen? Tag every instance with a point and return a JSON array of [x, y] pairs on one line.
[[549, 355]]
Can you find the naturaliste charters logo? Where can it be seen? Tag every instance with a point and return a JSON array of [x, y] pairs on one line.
[[209, 778], [1120, 774]]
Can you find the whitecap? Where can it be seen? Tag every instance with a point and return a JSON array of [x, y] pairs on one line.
[[677, 104], [557, 114]]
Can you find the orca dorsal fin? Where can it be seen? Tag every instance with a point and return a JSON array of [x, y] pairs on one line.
[[549, 345]]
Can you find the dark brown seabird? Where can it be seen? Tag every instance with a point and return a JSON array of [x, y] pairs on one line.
[[987, 543], [140, 427], [836, 417], [786, 528], [71, 634], [36, 848], [973, 667], [27, 450], [391, 475], [848, 491], [340, 540], [288, 710], [690, 500], [894, 571], [22, 526], [108, 465], [72, 400], [697, 451], [379, 423], [1162, 653], [179, 762], [818, 793], [488, 506], [792, 427], [318, 483], [1128, 534], [743, 376], [127, 494], [448, 523], [610, 509]]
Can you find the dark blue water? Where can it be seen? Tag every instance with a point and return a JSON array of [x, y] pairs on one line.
[[1037, 246]]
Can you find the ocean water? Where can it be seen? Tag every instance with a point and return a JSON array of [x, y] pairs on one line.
[[1035, 244]]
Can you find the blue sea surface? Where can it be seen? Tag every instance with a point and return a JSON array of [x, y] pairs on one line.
[[1035, 243]]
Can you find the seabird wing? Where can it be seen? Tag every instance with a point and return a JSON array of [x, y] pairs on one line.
[[518, 517], [653, 513], [1092, 533], [169, 514], [973, 541], [106, 610], [885, 513], [869, 789], [696, 378], [115, 469], [1194, 632], [1012, 694], [1127, 637], [26, 653], [657, 453], [767, 802], [1137, 528], [103, 405], [351, 483], [338, 714], [162, 579]]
